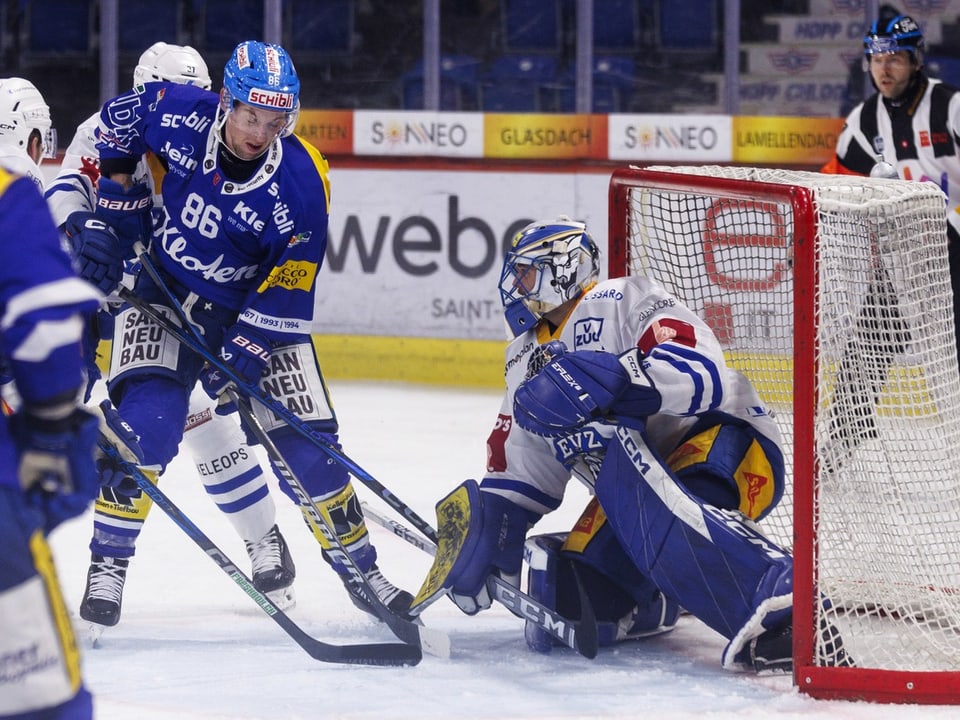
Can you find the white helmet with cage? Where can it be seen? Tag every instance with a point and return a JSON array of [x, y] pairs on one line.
[[23, 111], [172, 63], [548, 264]]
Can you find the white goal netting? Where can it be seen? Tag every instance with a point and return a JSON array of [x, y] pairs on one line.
[[872, 413]]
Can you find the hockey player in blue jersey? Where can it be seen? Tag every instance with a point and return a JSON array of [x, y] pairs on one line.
[[47, 471], [228, 468], [241, 238], [623, 387]]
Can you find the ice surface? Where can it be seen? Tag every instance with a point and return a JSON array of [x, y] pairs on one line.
[[191, 645]]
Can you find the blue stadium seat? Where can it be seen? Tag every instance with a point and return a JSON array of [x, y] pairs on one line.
[[515, 83], [140, 23], [613, 81], [458, 84], [691, 25], [616, 26], [57, 28], [944, 68], [223, 24], [531, 25], [319, 27]]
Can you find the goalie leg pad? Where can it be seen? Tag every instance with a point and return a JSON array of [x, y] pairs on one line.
[[627, 603], [710, 561], [480, 533]]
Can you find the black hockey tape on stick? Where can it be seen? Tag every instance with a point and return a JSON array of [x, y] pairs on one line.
[[579, 635], [361, 654]]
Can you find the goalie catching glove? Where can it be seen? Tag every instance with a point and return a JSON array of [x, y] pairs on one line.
[[576, 388], [480, 534]]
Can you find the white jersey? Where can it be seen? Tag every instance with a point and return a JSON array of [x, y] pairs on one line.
[[75, 186], [15, 160], [686, 365], [918, 137]]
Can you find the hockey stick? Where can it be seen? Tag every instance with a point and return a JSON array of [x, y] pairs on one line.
[[193, 340], [362, 654], [579, 635], [432, 641]]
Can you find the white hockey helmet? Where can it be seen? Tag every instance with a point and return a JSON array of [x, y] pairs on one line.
[[548, 263], [172, 63], [23, 110]]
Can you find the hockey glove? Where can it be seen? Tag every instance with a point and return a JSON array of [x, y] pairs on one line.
[[579, 387], [56, 465], [97, 255], [247, 351], [128, 212], [118, 433], [484, 533], [544, 354]]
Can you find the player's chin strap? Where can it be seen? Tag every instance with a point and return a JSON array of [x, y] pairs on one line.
[[580, 635], [191, 338]]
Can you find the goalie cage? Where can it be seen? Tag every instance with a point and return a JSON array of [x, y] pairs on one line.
[[832, 293]]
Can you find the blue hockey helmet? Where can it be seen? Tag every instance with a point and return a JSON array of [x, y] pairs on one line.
[[262, 75], [548, 264], [893, 33]]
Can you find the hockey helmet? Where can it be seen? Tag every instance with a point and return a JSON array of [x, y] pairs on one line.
[[172, 63], [548, 264], [23, 110], [893, 33], [262, 75]]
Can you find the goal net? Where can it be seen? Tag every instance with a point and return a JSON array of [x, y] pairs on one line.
[[832, 294]]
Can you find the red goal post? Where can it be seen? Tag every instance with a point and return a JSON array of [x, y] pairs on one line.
[[832, 293]]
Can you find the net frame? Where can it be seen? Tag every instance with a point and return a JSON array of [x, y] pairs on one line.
[[815, 201]]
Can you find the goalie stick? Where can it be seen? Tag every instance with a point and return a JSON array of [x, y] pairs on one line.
[[579, 635], [431, 641], [191, 339], [360, 654]]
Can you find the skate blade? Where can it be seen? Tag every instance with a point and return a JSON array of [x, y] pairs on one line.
[[284, 598], [435, 642], [94, 631]]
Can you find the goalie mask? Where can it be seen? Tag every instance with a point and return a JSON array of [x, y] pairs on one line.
[[180, 64], [261, 75], [548, 264], [23, 111]]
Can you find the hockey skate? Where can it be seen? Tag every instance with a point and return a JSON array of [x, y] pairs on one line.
[[103, 594], [273, 569], [397, 601], [772, 652]]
